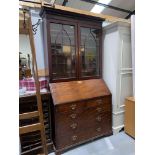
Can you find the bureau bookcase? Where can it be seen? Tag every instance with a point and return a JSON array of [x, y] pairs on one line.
[[81, 101]]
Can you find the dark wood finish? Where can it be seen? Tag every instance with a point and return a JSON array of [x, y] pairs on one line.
[[82, 111], [54, 16], [74, 91], [31, 142]]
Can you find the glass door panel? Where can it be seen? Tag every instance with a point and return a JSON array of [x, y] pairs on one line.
[[63, 48], [89, 51]]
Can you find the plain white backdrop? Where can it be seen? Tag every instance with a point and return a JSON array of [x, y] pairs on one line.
[[144, 77]]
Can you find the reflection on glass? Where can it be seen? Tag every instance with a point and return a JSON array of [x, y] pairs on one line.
[[89, 51], [63, 50]]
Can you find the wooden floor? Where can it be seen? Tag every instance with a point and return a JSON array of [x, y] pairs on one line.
[[120, 144]]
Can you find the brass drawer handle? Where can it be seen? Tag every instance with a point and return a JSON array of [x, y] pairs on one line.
[[73, 106], [73, 116], [74, 138], [73, 126], [98, 129], [99, 118], [99, 109]]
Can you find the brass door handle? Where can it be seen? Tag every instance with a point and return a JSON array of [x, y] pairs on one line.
[[73, 106], [99, 118], [74, 138], [98, 129], [73, 116], [99, 109], [73, 126]]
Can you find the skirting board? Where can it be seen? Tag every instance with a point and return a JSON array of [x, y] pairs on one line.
[[117, 129], [117, 113], [118, 121]]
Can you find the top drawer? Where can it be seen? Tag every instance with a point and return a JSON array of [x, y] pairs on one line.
[[79, 107], [76, 107], [98, 102]]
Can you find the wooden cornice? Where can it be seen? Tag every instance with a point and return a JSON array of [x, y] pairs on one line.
[[73, 10]]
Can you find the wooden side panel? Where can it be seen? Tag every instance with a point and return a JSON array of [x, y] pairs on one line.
[[130, 117]]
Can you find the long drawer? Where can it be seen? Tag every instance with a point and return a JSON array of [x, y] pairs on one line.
[[89, 111], [82, 106], [87, 119]]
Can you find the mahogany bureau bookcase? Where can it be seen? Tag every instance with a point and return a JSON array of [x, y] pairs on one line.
[[81, 108]]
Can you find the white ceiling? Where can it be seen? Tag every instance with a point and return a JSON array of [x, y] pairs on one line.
[[124, 4]]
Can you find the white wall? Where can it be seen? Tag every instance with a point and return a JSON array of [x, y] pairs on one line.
[[133, 49], [24, 43], [38, 39], [24, 47], [117, 68]]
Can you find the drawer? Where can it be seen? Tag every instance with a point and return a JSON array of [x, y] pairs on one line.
[[83, 120], [86, 114], [102, 130], [82, 106], [75, 107], [71, 138], [104, 127], [68, 124], [103, 119], [103, 102], [82, 133]]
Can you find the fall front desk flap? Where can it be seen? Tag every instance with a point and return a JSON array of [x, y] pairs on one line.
[[73, 91]]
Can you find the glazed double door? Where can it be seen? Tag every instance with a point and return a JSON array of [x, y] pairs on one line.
[[75, 50]]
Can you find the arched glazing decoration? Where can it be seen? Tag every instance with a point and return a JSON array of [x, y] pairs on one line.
[[69, 53], [90, 54], [61, 33], [91, 35], [64, 55]]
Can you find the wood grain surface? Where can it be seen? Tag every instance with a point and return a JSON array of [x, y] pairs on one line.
[[73, 91]]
